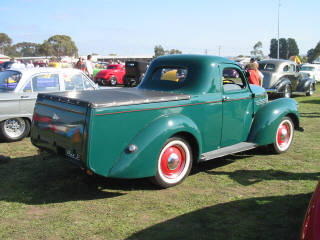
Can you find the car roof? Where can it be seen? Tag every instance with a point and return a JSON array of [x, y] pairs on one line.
[[277, 61], [44, 69], [191, 58]]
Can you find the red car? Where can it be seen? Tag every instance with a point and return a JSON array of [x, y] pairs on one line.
[[311, 223], [113, 75]]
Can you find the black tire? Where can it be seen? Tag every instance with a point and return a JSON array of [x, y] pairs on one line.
[[287, 91], [113, 81], [283, 136], [174, 163], [125, 81], [311, 90], [138, 79], [14, 129], [103, 82]]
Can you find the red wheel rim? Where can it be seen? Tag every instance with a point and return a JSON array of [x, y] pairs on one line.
[[283, 135], [173, 161]]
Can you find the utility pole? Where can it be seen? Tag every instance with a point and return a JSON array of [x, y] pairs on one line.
[[219, 49], [279, 4], [206, 51]]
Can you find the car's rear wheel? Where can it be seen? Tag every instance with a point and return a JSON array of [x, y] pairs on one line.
[[113, 81], [284, 136], [311, 90], [287, 91], [174, 162], [14, 129]]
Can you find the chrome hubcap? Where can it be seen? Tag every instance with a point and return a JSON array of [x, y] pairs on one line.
[[284, 134], [173, 161], [14, 127]]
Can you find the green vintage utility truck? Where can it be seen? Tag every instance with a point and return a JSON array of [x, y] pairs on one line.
[[187, 109]]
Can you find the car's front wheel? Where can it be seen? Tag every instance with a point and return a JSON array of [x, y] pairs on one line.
[[284, 136], [311, 90], [113, 81], [174, 162], [14, 129]]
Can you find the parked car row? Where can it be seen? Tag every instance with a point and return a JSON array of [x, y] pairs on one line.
[[129, 74]]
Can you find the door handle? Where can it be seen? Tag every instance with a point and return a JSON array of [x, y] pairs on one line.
[[25, 96]]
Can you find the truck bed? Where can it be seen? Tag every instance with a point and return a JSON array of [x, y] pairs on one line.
[[114, 97]]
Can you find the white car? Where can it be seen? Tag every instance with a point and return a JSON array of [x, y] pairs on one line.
[[312, 70], [18, 93]]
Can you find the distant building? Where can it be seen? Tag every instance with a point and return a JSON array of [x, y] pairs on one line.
[[100, 58]]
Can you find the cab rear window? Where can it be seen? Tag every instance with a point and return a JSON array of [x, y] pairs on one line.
[[167, 79], [267, 67]]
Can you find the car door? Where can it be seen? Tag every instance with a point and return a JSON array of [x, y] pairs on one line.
[[237, 106], [38, 83], [290, 73]]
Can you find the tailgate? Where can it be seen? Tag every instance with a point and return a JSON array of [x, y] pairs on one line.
[[59, 125]]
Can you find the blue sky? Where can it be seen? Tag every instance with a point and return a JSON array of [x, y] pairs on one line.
[[134, 27]]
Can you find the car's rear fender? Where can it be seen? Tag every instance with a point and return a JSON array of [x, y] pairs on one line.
[[281, 83], [149, 141], [267, 119]]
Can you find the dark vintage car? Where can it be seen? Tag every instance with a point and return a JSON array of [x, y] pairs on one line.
[[135, 71], [311, 224], [282, 78], [187, 109]]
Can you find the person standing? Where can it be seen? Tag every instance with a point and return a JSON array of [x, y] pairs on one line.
[[80, 64], [254, 77], [30, 65], [88, 66]]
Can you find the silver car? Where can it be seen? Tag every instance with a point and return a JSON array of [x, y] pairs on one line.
[[19, 89], [282, 77]]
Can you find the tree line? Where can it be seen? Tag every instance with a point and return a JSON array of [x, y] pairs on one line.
[[287, 48], [57, 45], [62, 45]]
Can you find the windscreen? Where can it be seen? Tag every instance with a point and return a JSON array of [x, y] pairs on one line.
[[307, 68], [112, 67], [9, 80]]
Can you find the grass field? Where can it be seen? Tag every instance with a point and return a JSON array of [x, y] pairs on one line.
[[252, 195]]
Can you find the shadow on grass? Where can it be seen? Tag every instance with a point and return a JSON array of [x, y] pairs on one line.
[[226, 160], [310, 115], [249, 177], [311, 101], [244, 219], [32, 180], [216, 163]]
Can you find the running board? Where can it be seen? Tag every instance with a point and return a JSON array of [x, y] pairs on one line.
[[239, 147]]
